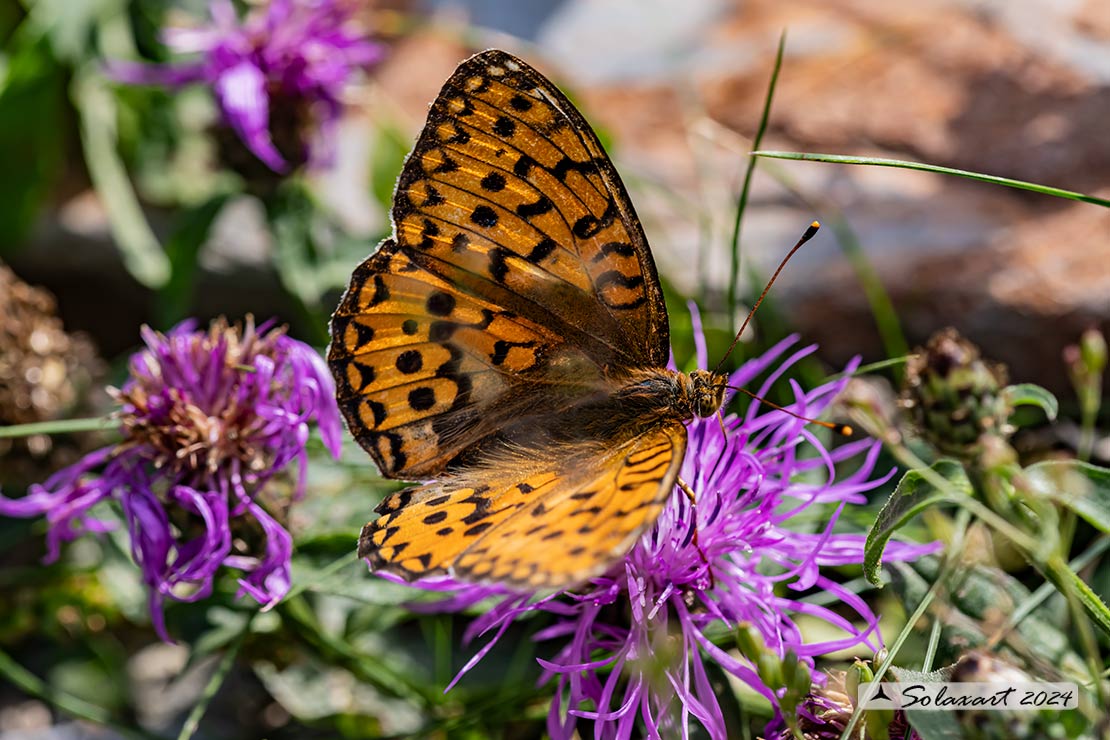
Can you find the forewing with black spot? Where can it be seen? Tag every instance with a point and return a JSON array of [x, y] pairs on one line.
[[509, 193], [517, 273]]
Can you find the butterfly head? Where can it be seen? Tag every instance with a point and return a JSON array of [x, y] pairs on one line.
[[706, 391]]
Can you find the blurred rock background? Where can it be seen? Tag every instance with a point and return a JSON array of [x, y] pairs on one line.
[[1016, 88]]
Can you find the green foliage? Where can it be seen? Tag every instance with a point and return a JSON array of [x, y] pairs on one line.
[[915, 493], [34, 132], [900, 164], [1030, 394]]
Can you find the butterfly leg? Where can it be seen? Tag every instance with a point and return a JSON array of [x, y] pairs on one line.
[[693, 509]]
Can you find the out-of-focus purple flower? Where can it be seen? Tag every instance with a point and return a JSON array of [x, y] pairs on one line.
[[635, 641], [297, 55], [209, 420]]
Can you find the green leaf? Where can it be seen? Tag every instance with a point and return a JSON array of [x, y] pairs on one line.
[[313, 691], [71, 28], [902, 164], [353, 581], [913, 495], [33, 127], [970, 618], [390, 147], [930, 725], [1079, 486], [142, 253], [1030, 394], [1085, 489], [940, 675], [1065, 578], [227, 625], [28, 682], [935, 725]]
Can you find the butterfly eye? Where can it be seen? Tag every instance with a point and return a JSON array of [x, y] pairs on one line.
[[707, 392]]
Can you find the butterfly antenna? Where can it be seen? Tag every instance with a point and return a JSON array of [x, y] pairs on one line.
[[813, 227], [838, 428]]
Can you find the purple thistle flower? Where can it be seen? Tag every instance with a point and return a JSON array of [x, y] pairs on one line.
[[635, 641], [295, 54], [209, 420]]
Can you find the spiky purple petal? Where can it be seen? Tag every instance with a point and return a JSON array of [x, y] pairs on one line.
[[208, 418]]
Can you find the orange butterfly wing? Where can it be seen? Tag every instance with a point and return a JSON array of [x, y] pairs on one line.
[[531, 524], [422, 366], [517, 254], [483, 345]]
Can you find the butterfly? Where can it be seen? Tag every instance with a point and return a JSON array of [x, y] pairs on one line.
[[508, 345]]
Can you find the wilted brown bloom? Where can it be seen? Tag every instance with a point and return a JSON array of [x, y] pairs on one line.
[[955, 396], [44, 371]]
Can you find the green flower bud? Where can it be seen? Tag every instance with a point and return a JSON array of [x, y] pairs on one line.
[[955, 397], [1092, 350]]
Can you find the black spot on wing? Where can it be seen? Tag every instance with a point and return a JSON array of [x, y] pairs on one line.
[[504, 127], [484, 216], [541, 206], [422, 398], [494, 182], [543, 249]]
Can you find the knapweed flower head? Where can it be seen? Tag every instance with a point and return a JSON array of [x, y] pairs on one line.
[[280, 70], [635, 642], [211, 422]]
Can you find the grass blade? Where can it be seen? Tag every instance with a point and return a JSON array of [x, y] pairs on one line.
[[71, 705], [59, 426], [742, 199], [922, 167], [142, 253], [192, 722]]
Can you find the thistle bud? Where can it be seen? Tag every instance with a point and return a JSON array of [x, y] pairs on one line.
[[955, 397]]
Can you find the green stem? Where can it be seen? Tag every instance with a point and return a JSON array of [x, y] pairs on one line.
[[192, 722], [1047, 589], [931, 648], [71, 705], [951, 558], [869, 368], [1081, 602], [742, 200], [61, 426], [922, 167], [1090, 401], [142, 253]]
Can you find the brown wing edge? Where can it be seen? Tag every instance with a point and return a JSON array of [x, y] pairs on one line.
[[336, 355], [369, 552], [659, 354]]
